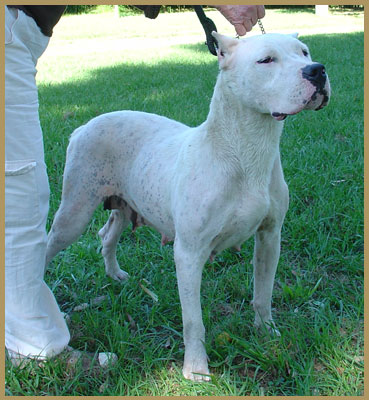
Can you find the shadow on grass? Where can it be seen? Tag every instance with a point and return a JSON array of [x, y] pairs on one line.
[[180, 90], [166, 87]]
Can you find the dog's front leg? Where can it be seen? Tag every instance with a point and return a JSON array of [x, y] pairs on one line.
[[267, 249], [266, 256], [189, 265]]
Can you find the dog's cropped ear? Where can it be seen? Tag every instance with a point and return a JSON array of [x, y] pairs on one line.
[[295, 35], [226, 47]]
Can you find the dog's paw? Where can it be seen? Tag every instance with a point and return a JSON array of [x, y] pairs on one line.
[[272, 329], [118, 275], [203, 376], [268, 326], [196, 371]]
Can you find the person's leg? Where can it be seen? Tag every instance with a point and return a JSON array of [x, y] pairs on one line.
[[34, 325]]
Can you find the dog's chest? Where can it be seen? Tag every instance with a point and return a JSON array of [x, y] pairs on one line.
[[241, 221]]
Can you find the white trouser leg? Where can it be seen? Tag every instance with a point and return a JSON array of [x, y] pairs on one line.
[[34, 325]]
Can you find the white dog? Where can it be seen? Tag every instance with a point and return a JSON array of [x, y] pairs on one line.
[[207, 188]]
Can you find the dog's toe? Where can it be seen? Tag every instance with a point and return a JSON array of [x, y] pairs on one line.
[[196, 372], [118, 275], [197, 376], [268, 326]]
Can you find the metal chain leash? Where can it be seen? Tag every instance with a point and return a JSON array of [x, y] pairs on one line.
[[261, 27]]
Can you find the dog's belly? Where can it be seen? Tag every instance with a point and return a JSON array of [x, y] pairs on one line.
[[138, 153], [162, 224]]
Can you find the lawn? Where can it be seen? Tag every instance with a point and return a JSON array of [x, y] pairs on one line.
[[98, 63]]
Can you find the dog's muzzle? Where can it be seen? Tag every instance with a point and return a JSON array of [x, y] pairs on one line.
[[316, 75]]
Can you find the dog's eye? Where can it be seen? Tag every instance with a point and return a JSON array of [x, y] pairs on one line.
[[305, 52], [266, 60]]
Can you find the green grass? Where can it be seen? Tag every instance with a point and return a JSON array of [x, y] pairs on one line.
[[97, 64]]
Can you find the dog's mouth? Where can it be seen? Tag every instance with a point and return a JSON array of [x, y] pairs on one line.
[[282, 116], [318, 101], [279, 116]]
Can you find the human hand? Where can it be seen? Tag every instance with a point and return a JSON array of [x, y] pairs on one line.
[[242, 17]]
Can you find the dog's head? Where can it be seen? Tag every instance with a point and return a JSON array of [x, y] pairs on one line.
[[273, 73]]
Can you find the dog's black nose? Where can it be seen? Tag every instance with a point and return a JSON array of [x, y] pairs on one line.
[[315, 73]]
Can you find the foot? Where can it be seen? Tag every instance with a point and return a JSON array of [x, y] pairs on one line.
[[70, 356], [19, 360], [201, 374], [267, 325], [87, 360], [117, 274], [196, 368]]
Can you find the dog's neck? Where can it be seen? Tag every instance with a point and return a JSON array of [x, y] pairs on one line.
[[249, 139]]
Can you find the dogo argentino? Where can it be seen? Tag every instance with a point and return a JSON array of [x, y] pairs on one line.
[[207, 188]]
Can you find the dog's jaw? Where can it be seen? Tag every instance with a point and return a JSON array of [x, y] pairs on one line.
[[279, 116], [318, 100]]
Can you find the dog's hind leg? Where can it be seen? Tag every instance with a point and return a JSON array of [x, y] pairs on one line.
[[80, 198], [69, 223], [110, 234]]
